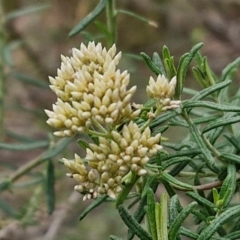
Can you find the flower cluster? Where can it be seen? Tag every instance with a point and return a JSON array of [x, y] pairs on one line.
[[92, 97], [162, 91], [89, 89], [112, 159]]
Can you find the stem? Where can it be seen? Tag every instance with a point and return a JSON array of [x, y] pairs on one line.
[[2, 69], [111, 22], [49, 153]]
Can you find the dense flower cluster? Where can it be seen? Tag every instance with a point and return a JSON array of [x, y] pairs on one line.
[[162, 91], [112, 159], [92, 97], [90, 88]]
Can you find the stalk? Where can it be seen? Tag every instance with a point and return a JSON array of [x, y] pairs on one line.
[[111, 22]]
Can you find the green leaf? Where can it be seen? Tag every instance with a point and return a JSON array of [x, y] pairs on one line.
[[5, 184], [188, 233], [200, 199], [175, 160], [228, 186], [132, 224], [230, 157], [163, 118], [175, 183], [201, 144], [174, 209], [200, 77], [205, 119], [229, 68], [213, 135], [27, 10], [205, 92], [211, 105], [8, 209], [103, 28], [93, 205], [151, 64], [221, 122], [24, 146], [151, 213], [112, 237], [183, 66], [233, 140], [50, 182], [125, 191], [219, 221], [168, 63], [89, 18], [148, 183], [56, 148], [233, 235], [30, 80], [162, 230], [170, 190], [19, 137], [84, 145], [180, 77], [158, 63], [209, 74], [175, 228], [190, 152], [139, 17]]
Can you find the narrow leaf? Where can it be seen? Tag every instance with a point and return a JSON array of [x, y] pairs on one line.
[[175, 160], [151, 214], [174, 229], [219, 221], [230, 157], [8, 209], [162, 224], [228, 186], [221, 122], [89, 18], [93, 205], [174, 209], [84, 145], [180, 76], [163, 118], [207, 91], [148, 183], [229, 68], [150, 63], [30, 80], [139, 17], [56, 148], [27, 10], [200, 199], [24, 146], [211, 105], [133, 225], [50, 182], [158, 62], [176, 183], [125, 191], [112, 237]]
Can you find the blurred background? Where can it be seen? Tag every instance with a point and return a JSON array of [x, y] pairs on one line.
[[36, 34]]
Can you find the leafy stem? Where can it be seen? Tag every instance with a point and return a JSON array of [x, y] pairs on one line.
[[111, 22]]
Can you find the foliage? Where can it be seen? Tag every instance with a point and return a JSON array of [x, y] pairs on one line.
[[200, 161]]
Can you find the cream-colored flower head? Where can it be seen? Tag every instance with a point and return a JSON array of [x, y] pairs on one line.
[[161, 90], [112, 159], [89, 86]]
